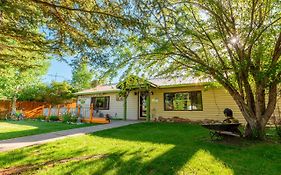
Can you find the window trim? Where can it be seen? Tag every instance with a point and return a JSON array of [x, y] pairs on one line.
[[108, 101], [182, 92]]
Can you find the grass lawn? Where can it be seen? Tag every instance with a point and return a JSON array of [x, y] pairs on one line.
[[146, 148], [12, 129]]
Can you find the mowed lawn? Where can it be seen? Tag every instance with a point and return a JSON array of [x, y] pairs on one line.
[[12, 129], [146, 148]]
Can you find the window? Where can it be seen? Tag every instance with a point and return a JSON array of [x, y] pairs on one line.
[[183, 101], [101, 103]]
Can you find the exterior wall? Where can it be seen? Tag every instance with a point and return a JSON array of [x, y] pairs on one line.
[[214, 101], [115, 107], [132, 106]]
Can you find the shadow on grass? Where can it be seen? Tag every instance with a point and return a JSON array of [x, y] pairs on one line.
[[36, 127], [193, 152], [155, 148]]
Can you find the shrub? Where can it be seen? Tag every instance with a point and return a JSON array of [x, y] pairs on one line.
[[74, 119], [41, 117], [54, 118], [66, 118], [69, 118]]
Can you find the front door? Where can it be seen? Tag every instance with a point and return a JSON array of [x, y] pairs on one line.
[[142, 105]]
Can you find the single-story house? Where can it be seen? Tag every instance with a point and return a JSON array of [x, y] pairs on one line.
[[188, 98]]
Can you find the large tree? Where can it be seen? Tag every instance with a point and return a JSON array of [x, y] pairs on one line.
[[235, 42], [58, 93], [14, 80], [62, 28], [82, 76]]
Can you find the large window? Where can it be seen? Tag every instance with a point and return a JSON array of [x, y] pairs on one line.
[[101, 103], [183, 101]]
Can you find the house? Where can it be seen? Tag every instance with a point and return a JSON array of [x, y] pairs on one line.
[[188, 98]]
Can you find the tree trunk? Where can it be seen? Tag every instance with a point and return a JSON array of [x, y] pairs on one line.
[[255, 130], [256, 118], [14, 105]]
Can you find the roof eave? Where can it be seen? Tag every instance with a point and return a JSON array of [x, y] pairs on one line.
[[96, 92], [182, 85]]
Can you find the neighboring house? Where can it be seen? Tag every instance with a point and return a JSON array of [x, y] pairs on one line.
[[184, 98]]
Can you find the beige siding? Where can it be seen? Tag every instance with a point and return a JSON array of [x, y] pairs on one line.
[[132, 106], [214, 102], [277, 111], [115, 107]]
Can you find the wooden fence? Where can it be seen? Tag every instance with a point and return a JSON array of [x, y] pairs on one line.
[[33, 109], [30, 109], [87, 114]]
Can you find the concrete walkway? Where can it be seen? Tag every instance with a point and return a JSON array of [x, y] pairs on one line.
[[11, 144]]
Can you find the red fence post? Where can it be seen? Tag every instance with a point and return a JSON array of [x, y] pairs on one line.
[[68, 108], [58, 110], [91, 112], [49, 112], [43, 110], [78, 111]]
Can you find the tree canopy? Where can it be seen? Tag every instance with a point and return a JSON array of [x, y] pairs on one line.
[[61, 28], [82, 77], [58, 93], [237, 43]]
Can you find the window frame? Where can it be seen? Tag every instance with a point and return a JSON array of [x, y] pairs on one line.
[[108, 102], [165, 109]]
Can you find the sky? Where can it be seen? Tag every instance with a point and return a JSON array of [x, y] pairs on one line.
[[58, 71]]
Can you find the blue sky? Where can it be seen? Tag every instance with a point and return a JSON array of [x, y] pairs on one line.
[[58, 71]]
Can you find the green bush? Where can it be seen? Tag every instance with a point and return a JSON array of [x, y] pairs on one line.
[[41, 117], [74, 119], [66, 118], [69, 118], [54, 118]]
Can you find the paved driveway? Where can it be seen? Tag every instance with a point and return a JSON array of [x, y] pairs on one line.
[[11, 144]]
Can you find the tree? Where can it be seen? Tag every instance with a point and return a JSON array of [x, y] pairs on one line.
[[81, 77], [59, 93], [237, 43], [62, 28], [34, 92], [14, 80]]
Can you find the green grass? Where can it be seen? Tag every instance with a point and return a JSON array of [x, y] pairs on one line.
[[150, 148], [12, 129]]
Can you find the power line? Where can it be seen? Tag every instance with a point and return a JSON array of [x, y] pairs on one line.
[[55, 76]]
